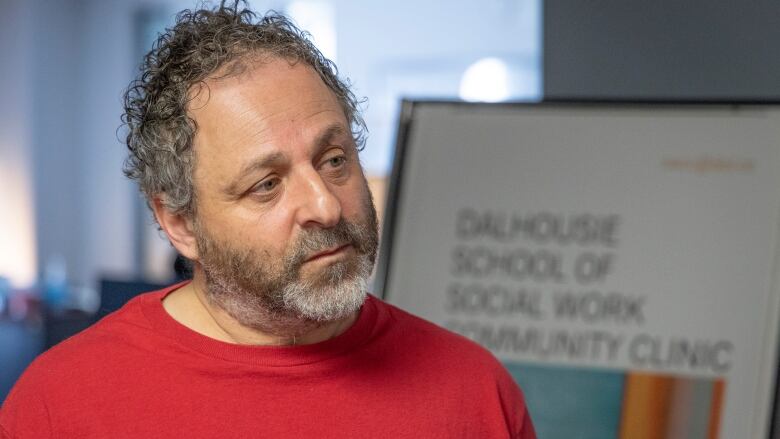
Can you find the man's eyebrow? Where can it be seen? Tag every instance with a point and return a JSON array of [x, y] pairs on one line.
[[266, 161], [277, 158], [329, 133]]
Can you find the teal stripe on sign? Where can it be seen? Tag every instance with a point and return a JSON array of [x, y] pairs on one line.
[[700, 413], [571, 403]]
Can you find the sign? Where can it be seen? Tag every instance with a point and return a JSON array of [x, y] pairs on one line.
[[620, 259]]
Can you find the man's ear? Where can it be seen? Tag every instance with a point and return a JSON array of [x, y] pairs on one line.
[[178, 227]]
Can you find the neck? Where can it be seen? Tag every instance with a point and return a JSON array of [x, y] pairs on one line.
[[190, 306]]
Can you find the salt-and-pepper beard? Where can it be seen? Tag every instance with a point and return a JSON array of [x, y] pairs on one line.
[[270, 295]]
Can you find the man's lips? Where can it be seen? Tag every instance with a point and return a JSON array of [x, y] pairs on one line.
[[327, 252]]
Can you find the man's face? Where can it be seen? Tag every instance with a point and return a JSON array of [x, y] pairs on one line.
[[284, 220]]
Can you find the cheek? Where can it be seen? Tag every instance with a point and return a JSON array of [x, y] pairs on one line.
[[267, 236], [354, 199], [264, 239]]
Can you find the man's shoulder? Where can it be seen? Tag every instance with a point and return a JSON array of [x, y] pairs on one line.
[[78, 365], [450, 362], [418, 326], [437, 341], [94, 345]]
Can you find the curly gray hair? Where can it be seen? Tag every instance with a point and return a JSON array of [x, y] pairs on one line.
[[159, 131]]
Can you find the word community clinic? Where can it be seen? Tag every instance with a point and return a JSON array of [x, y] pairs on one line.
[[582, 229], [643, 351]]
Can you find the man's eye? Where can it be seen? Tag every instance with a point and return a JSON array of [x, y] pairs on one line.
[[337, 161], [266, 186]]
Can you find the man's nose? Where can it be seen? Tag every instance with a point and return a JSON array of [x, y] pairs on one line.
[[317, 205]]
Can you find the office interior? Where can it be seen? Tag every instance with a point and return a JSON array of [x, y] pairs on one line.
[[73, 227]]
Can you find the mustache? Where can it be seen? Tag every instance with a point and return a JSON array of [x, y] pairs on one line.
[[313, 241]]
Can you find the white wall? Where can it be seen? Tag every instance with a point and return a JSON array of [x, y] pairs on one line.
[[17, 237], [414, 48], [109, 46], [80, 58]]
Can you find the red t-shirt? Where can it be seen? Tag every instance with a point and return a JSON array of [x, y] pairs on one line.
[[140, 374]]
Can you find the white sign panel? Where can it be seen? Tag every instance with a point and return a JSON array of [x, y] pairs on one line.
[[619, 258]]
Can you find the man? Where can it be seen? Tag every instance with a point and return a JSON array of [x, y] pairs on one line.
[[246, 144]]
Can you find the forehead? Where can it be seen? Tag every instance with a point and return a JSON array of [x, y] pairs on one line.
[[270, 104]]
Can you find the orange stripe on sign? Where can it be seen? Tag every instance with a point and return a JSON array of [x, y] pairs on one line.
[[646, 399], [716, 407]]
